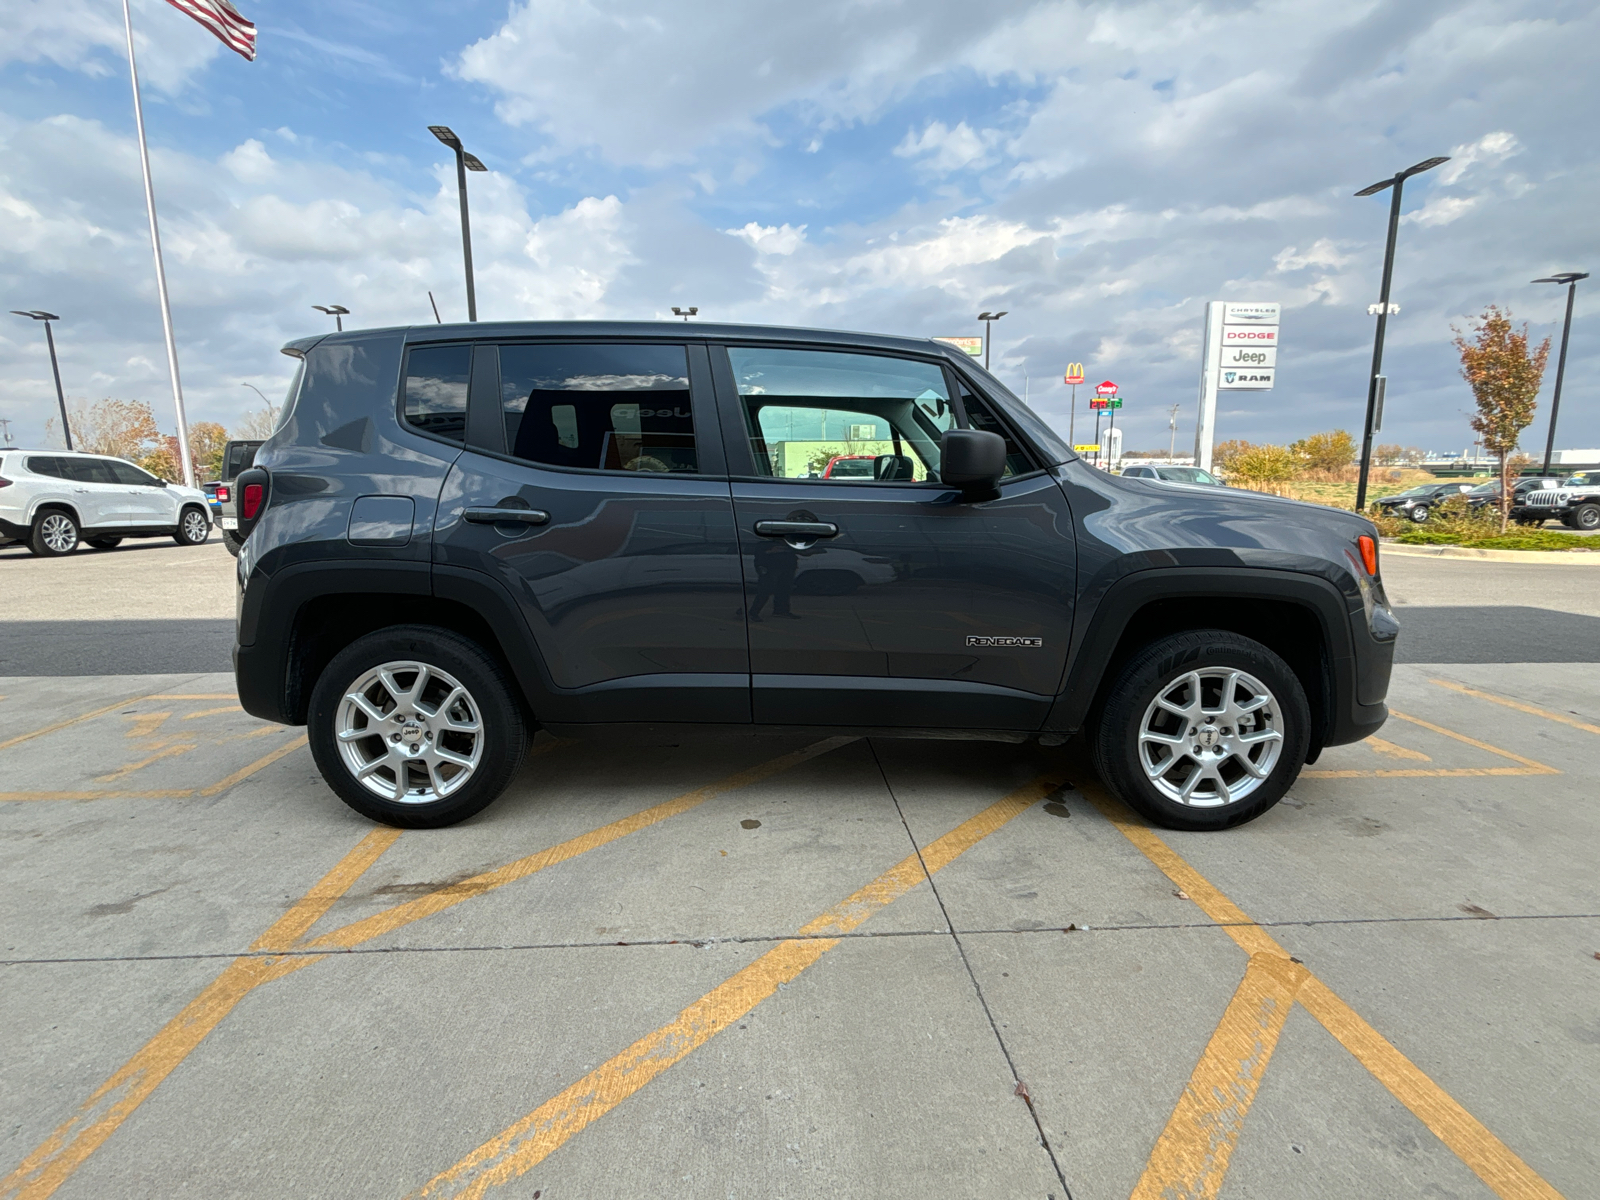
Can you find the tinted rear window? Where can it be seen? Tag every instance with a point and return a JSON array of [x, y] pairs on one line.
[[436, 390]]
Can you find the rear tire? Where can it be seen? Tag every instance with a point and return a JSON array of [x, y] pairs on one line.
[[194, 527], [232, 541], [1204, 730], [442, 746], [55, 534], [105, 543]]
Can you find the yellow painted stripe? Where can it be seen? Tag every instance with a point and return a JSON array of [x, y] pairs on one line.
[[1427, 773], [1379, 745], [266, 760], [88, 716], [1539, 767], [124, 771], [532, 1139], [452, 894], [211, 712], [1190, 1159], [48, 1167], [1489, 1158], [1563, 718]]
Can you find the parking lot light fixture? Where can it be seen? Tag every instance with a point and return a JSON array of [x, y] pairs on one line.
[[1397, 182], [337, 311], [464, 162], [38, 314], [1570, 278], [685, 313], [988, 319]]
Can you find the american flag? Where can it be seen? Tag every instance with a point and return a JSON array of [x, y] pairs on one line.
[[222, 19]]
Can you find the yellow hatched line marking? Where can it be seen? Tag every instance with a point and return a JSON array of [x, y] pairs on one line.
[[88, 716], [266, 760], [1191, 1155], [1529, 766], [65, 1150], [446, 897], [1468, 1138], [1516, 704], [48, 1167], [532, 1139], [222, 785], [211, 712]]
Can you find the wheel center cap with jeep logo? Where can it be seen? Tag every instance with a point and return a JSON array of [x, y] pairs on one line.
[[1209, 736], [412, 734]]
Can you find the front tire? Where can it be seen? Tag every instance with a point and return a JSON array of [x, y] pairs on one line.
[[55, 534], [194, 527], [1586, 517], [1419, 514], [415, 726], [1204, 730]]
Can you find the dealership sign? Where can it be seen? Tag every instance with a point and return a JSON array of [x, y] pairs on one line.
[[1246, 380], [1247, 351], [1249, 356]]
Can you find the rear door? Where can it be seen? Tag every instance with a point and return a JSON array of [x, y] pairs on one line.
[[96, 493], [885, 599], [593, 489]]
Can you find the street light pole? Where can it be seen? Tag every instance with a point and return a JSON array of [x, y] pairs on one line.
[[685, 313], [464, 162], [988, 319], [337, 311], [1172, 426], [38, 314], [1397, 183], [1570, 278]]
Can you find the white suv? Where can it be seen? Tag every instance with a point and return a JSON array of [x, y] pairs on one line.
[[52, 500]]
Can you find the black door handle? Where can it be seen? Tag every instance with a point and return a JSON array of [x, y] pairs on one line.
[[797, 529], [494, 516]]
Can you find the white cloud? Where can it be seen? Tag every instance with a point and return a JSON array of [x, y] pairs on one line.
[[88, 36], [1492, 148], [771, 239], [1323, 253], [1441, 210], [942, 149]]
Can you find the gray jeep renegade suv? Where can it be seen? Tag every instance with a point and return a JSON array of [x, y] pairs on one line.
[[461, 533]]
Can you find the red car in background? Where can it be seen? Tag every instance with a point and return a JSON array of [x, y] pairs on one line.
[[850, 466]]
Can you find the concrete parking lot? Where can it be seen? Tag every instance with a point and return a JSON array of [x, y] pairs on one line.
[[807, 967]]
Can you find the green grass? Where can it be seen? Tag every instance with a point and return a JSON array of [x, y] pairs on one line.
[[1528, 539]]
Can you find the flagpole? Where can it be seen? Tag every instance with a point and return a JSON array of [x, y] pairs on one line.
[[161, 273]]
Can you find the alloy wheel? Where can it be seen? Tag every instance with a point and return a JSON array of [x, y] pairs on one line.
[[1210, 737], [195, 526], [410, 733], [58, 533]]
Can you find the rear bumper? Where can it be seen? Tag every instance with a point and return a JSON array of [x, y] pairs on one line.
[[10, 529]]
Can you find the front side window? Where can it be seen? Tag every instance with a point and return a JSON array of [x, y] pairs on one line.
[[599, 407], [129, 475], [857, 418], [436, 390], [980, 417]]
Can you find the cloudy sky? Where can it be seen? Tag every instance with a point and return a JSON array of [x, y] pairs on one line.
[[1101, 170]]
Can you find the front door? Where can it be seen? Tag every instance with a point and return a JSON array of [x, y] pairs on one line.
[[146, 501], [879, 596], [626, 565]]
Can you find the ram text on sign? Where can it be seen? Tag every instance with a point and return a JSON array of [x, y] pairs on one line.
[[1239, 379], [1250, 356], [1250, 314], [972, 345]]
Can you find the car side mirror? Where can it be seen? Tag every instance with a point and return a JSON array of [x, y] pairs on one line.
[[972, 460], [161, 483], [891, 467]]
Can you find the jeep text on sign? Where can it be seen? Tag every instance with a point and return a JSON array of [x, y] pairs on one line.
[[1245, 355]]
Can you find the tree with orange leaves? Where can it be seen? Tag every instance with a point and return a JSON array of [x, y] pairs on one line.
[[1504, 378]]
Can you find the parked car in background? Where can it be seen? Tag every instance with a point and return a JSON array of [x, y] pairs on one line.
[[1488, 494], [55, 500], [1173, 475], [1416, 503], [236, 457], [1576, 502]]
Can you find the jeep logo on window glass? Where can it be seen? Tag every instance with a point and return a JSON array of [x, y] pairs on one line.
[[1033, 643]]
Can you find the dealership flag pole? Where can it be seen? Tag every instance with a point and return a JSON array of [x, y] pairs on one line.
[[161, 273]]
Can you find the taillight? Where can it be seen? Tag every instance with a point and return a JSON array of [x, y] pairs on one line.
[[252, 502], [1369, 554], [222, 494], [5, 483]]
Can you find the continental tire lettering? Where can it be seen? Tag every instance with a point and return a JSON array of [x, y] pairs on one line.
[[1028, 642]]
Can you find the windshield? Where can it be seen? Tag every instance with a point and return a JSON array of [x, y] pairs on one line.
[[1486, 489]]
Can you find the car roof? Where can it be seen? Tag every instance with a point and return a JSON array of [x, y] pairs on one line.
[[696, 331]]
